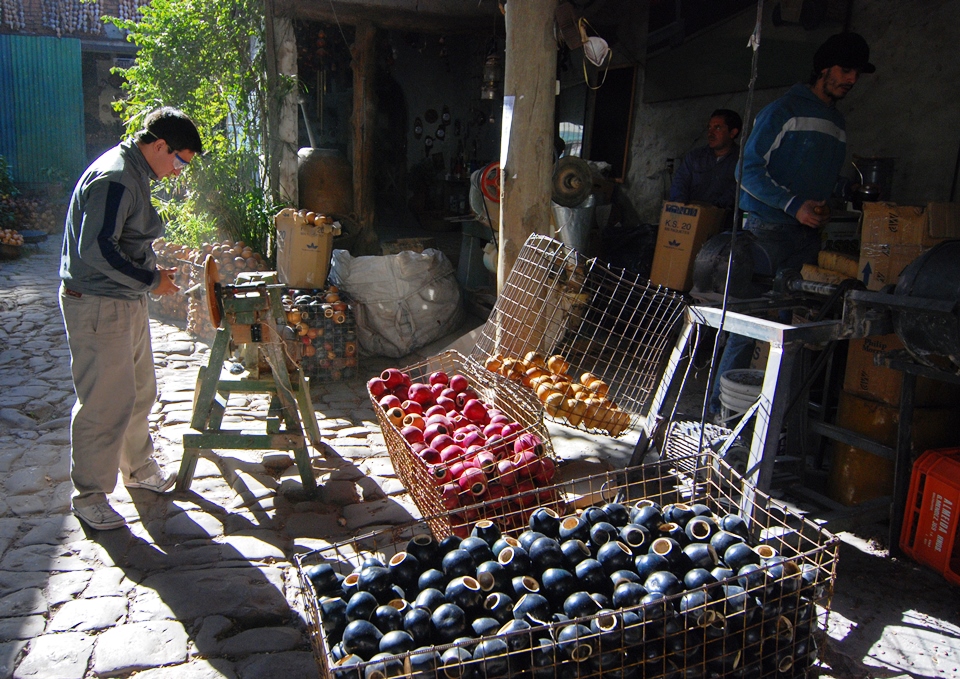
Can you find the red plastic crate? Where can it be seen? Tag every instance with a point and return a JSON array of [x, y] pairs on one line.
[[931, 528]]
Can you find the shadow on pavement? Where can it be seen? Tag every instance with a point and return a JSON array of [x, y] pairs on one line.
[[894, 625], [231, 603]]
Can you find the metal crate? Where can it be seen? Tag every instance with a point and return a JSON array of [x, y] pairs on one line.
[[781, 638], [334, 356], [683, 441], [603, 321], [513, 400]]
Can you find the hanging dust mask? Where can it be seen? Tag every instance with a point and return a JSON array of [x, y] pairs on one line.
[[596, 50]]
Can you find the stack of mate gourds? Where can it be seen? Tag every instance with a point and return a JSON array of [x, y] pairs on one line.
[[577, 401], [324, 325], [11, 243], [475, 454], [32, 213], [615, 591], [232, 258], [11, 237]]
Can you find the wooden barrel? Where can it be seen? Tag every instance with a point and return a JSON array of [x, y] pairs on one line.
[[325, 180]]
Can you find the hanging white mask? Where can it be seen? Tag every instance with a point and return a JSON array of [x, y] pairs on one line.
[[596, 50]]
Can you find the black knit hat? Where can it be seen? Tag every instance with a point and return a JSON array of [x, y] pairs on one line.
[[848, 50]]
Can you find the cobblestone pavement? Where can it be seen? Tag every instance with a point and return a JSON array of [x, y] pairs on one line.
[[200, 584]]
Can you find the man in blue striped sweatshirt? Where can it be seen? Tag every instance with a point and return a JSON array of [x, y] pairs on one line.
[[791, 166], [107, 267]]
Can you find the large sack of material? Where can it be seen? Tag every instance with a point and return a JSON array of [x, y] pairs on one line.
[[402, 302]]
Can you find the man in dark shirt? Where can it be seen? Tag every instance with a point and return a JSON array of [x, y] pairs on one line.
[[108, 267], [706, 174]]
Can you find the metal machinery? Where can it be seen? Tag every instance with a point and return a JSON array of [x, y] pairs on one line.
[[924, 311], [249, 313]]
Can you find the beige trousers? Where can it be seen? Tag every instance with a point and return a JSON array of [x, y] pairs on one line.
[[113, 374]]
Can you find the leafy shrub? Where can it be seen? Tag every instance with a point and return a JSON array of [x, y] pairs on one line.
[[8, 197], [206, 58]]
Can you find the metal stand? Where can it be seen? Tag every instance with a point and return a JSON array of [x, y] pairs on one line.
[[785, 343], [250, 310]]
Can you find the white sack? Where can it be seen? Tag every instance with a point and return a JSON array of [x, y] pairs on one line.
[[401, 302]]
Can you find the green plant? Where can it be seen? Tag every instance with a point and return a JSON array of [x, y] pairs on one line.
[[57, 177], [206, 58], [183, 223], [8, 197], [225, 193]]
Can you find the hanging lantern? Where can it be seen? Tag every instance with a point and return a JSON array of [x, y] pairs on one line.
[[492, 77]]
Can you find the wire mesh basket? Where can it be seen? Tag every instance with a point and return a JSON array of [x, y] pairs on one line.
[[609, 327], [767, 620], [433, 498], [683, 441]]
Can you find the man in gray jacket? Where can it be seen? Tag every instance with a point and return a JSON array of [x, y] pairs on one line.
[[107, 267]]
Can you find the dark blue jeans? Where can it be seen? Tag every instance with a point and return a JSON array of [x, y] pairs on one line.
[[782, 246]]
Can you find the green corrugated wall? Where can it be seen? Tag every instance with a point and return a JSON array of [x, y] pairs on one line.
[[41, 108]]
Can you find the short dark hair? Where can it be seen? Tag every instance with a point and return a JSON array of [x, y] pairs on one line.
[[731, 118], [174, 127]]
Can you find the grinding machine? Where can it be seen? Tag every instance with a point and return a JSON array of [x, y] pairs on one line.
[[249, 317]]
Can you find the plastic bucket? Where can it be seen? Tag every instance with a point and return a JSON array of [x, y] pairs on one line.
[[739, 389], [574, 223]]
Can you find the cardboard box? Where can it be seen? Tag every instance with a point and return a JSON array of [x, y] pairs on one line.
[[943, 220], [303, 250], [684, 227], [761, 352], [866, 379], [881, 265], [892, 224], [895, 235], [856, 475]]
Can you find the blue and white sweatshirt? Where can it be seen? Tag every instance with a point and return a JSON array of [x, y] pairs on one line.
[[794, 153], [111, 226]]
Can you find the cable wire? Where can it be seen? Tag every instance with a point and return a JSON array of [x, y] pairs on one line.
[[754, 43], [337, 19]]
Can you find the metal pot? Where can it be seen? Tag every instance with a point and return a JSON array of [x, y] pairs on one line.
[[866, 193], [876, 176]]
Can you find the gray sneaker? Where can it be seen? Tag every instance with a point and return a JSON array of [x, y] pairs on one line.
[[100, 516], [157, 483]]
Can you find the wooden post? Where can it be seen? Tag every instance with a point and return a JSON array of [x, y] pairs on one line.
[[363, 53], [530, 77]]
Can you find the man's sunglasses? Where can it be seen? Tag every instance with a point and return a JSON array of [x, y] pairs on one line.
[[178, 162]]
